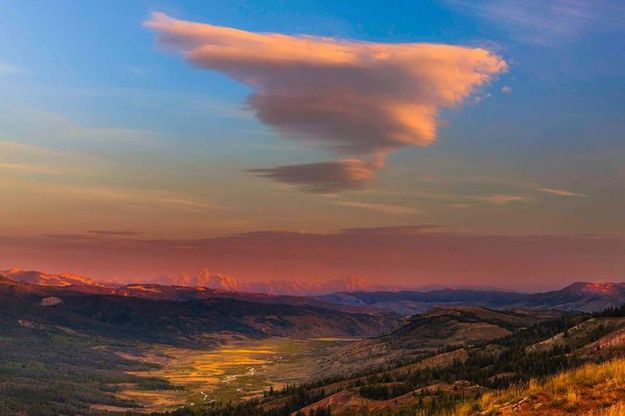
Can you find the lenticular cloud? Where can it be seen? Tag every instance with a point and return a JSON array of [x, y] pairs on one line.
[[361, 100], [323, 177]]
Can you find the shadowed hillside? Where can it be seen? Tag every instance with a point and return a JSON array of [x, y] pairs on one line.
[[172, 321], [441, 328]]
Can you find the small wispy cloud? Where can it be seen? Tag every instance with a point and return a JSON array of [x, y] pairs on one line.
[[136, 199], [462, 205], [152, 199], [113, 233], [40, 169], [562, 192], [381, 208], [9, 147], [180, 200], [501, 199], [546, 22], [7, 69], [24, 158], [30, 124]]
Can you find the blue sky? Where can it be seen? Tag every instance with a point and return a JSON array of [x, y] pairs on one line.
[[120, 126]]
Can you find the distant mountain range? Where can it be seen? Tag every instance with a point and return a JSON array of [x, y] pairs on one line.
[[347, 294], [277, 287], [210, 280], [580, 296]]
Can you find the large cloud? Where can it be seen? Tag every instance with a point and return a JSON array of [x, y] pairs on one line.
[[358, 99]]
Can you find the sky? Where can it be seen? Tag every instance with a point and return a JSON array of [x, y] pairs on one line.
[[432, 142]]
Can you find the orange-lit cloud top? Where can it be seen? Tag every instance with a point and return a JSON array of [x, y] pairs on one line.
[[358, 99]]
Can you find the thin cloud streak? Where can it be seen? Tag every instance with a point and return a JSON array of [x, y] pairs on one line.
[[113, 233], [7, 69], [16, 148], [501, 199], [22, 158], [139, 199], [381, 208], [38, 169], [562, 192], [548, 23], [358, 99]]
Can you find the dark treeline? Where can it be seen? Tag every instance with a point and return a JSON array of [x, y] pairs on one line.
[[618, 311], [481, 365], [298, 399]]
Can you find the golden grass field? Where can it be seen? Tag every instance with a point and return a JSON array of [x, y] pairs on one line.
[[238, 370], [591, 390]]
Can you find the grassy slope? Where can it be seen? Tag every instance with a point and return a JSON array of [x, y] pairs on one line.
[[592, 390]]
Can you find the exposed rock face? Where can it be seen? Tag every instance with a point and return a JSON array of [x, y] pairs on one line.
[[217, 281], [595, 288], [51, 301]]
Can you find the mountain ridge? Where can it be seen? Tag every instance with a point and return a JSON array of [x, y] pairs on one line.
[[578, 296], [207, 279], [192, 321]]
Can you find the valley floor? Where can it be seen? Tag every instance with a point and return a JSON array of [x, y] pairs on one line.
[[238, 370]]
